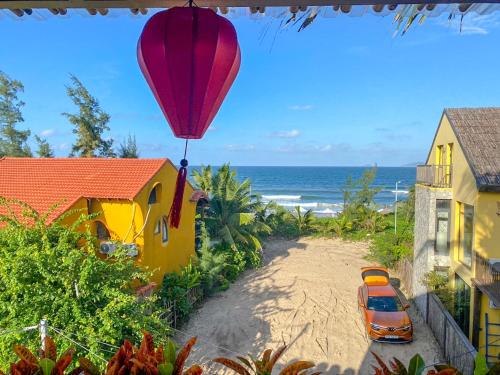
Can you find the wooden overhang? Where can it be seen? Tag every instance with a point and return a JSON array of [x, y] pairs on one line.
[[141, 7]]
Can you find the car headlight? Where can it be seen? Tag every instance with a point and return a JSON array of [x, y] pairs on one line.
[[406, 328], [376, 327]]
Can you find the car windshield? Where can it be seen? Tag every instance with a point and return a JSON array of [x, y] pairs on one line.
[[388, 304]]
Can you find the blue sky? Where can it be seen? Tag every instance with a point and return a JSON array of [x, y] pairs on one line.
[[342, 92]]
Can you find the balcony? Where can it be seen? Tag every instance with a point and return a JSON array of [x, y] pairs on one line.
[[487, 278], [438, 176]]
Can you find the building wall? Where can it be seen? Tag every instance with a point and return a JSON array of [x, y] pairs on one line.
[[486, 238], [129, 222], [180, 248], [424, 240]]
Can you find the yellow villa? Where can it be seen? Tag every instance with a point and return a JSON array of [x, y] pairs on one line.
[[457, 221], [132, 198]]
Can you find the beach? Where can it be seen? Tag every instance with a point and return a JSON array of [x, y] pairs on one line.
[[304, 296]]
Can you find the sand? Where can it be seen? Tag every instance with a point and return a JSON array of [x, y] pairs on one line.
[[305, 296]]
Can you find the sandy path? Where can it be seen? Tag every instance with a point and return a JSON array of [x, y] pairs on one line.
[[305, 296]]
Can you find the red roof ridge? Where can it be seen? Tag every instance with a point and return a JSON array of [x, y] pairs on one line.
[[43, 182]]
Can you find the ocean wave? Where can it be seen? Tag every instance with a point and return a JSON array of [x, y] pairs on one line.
[[310, 204], [282, 197]]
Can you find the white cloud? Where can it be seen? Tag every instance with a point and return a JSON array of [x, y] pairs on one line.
[[239, 147], [294, 133], [311, 148], [47, 132], [64, 146], [304, 107]]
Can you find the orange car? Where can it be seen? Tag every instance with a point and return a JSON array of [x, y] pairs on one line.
[[383, 311]]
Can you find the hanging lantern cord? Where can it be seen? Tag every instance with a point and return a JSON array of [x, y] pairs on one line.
[[175, 209]]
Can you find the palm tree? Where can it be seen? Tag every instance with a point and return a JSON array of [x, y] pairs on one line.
[[203, 180], [303, 221], [232, 213]]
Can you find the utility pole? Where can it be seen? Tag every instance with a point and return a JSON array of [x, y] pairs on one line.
[[396, 209], [43, 327]]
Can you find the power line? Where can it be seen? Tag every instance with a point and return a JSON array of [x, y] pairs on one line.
[[59, 332], [19, 330]]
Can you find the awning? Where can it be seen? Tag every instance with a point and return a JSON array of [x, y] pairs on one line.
[[41, 9]]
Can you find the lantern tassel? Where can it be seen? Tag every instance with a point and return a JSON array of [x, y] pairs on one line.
[[176, 208]]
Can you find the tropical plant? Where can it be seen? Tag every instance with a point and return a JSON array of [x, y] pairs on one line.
[[340, 225], [146, 359], [438, 283], [415, 367], [13, 142], [303, 221], [176, 289], [203, 179], [89, 123], [387, 248], [53, 270], [231, 216], [47, 364], [265, 364]]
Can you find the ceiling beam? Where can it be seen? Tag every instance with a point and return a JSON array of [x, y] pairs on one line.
[[143, 4]]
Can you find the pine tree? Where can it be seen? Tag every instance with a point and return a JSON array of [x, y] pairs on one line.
[[44, 149], [89, 123], [128, 149], [13, 142]]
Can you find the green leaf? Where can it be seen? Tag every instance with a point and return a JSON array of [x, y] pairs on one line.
[[416, 366], [46, 364], [169, 353], [480, 365], [166, 368]]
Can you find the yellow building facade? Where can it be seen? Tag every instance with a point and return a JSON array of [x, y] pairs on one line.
[[457, 228], [131, 199]]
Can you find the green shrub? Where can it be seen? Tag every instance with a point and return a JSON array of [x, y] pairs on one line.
[[53, 271], [176, 289], [438, 282], [387, 248]]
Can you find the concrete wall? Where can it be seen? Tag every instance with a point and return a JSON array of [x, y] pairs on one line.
[[424, 259]]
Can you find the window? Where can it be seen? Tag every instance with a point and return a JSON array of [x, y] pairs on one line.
[[386, 304], [154, 196], [439, 155], [101, 231], [157, 229], [442, 227], [461, 309], [465, 233], [164, 229]]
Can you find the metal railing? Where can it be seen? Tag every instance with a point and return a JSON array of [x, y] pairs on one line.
[[434, 175], [487, 277]]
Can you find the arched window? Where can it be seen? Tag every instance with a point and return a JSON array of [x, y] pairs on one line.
[[101, 231], [157, 229], [155, 194], [164, 229]]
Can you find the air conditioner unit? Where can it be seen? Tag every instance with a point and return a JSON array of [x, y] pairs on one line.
[[108, 248]]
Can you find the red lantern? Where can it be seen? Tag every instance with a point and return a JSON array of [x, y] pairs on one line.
[[190, 58]]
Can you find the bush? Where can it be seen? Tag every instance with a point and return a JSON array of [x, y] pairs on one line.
[[53, 271], [438, 283], [388, 248]]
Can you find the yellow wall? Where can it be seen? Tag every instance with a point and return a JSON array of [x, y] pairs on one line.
[[494, 317], [486, 237], [125, 220], [463, 188]]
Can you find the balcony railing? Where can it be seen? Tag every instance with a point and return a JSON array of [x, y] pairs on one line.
[[434, 175], [487, 277]]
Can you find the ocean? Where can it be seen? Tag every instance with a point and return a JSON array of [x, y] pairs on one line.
[[320, 188]]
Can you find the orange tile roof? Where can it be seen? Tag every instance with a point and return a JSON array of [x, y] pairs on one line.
[[42, 182]]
